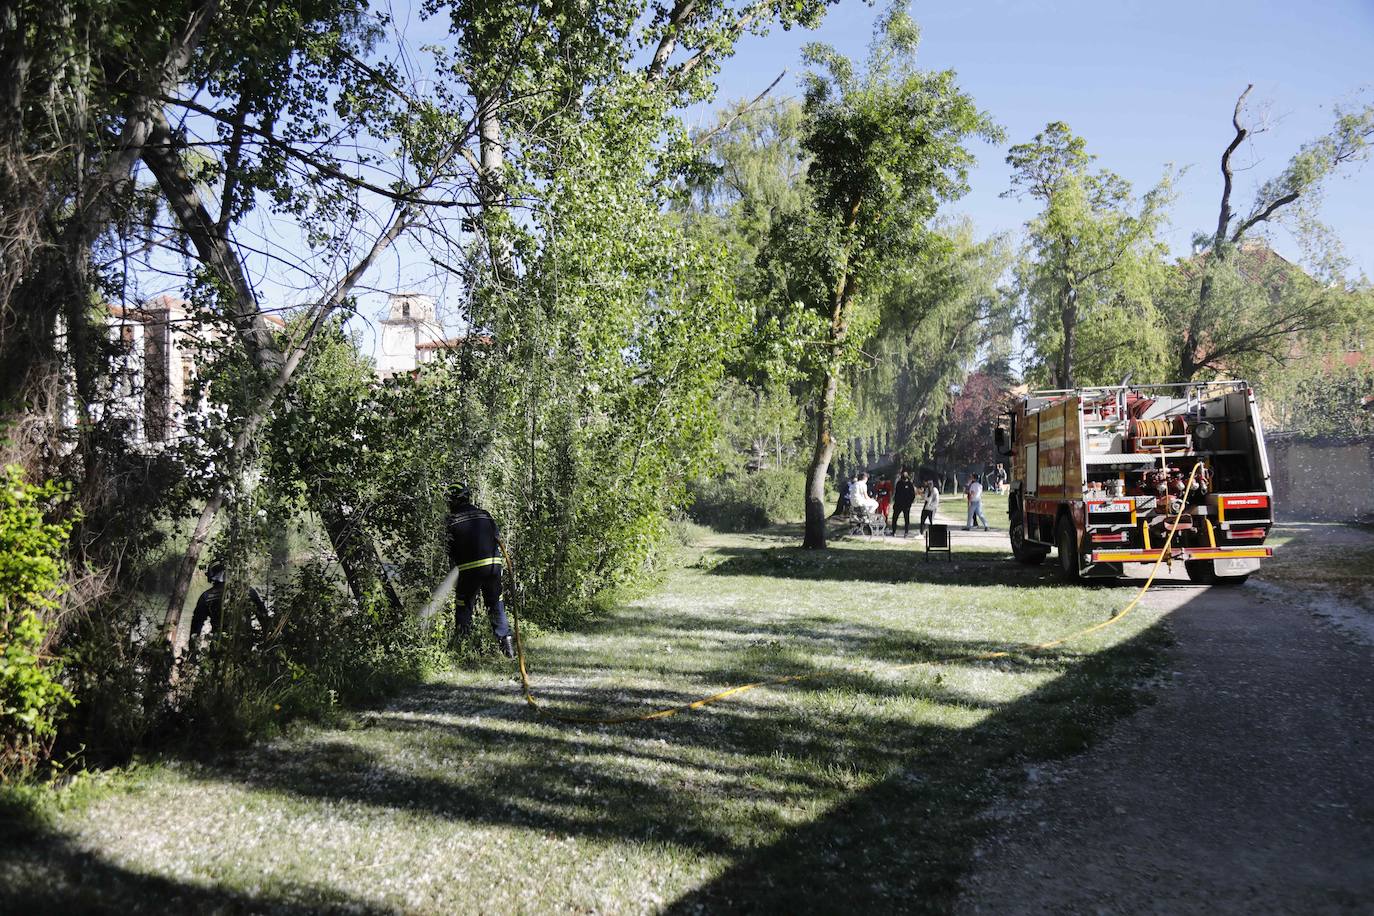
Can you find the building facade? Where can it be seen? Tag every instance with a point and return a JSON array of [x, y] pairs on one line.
[[410, 334], [156, 351]]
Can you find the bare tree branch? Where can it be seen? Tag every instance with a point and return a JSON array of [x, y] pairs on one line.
[[232, 160], [1227, 176], [324, 167], [744, 110], [1264, 214]]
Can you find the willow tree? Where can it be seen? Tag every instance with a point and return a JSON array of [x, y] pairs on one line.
[[887, 145], [939, 313]]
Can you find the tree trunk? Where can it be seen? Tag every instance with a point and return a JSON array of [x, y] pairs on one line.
[[814, 537], [1068, 317], [186, 570], [357, 552], [491, 188], [814, 534], [1188, 363]]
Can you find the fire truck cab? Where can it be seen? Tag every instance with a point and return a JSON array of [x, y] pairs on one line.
[[1100, 474]]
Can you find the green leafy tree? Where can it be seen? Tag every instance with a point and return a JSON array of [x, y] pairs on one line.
[[1321, 386], [1334, 403], [1094, 261], [759, 426], [886, 147], [536, 158], [1238, 308], [753, 172], [939, 312]]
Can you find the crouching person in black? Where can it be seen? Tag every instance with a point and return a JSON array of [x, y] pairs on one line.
[[473, 550], [210, 608]]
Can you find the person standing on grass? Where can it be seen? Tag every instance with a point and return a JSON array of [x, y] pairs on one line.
[[930, 503], [474, 552], [902, 500], [974, 494], [884, 495]]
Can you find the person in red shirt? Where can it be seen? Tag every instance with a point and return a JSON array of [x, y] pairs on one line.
[[884, 493]]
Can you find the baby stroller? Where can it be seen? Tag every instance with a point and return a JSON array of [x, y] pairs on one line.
[[864, 519]]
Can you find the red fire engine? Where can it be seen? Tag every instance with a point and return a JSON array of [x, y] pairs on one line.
[[1099, 475]]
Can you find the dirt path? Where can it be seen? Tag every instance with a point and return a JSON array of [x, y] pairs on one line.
[[1248, 787]]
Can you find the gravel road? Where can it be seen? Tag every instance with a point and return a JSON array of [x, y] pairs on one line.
[[1247, 787]]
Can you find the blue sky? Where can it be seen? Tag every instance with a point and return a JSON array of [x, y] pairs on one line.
[[1145, 83]]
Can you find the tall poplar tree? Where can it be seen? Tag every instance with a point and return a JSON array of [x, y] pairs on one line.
[[887, 145]]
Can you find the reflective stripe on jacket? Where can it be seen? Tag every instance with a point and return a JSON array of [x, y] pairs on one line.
[[472, 539]]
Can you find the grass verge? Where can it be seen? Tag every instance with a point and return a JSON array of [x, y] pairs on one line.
[[862, 788], [1326, 556]]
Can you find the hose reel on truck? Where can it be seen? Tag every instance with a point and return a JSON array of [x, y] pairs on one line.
[[1098, 472]]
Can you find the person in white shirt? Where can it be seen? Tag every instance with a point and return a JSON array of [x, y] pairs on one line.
[[930, 502], [974, 494], [859, 498]]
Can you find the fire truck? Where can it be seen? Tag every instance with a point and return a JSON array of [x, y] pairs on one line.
[[1100, 476]]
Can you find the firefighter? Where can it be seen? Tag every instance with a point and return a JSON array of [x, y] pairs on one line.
[[473, 551], [210, 605]]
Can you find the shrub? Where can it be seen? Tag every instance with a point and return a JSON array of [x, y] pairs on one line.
[[323, 651], [31, 568], [747, 502]]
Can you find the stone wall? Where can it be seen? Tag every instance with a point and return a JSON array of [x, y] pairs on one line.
[[1322, 479]]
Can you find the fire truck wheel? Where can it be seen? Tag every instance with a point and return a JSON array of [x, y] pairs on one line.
[[1029, 554], [1200, 571], [1066, 542]]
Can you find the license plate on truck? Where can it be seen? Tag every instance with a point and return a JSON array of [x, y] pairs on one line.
[[1236, 566]]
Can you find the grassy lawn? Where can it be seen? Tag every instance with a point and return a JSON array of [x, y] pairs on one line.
[[862, 790], [994, 510]]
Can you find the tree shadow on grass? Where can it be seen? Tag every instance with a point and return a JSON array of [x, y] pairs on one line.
[[45, 872], [901, 765], [759, 650], [903, 843], [904, 838], [903, 791], [863, 563]]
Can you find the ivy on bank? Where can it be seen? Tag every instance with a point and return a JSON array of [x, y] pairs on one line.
[[31, 567]]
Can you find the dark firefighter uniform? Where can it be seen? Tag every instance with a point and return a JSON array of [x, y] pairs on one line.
[[473, 550], [210, 606]]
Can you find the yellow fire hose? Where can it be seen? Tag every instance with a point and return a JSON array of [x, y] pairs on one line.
[[669, 711]]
